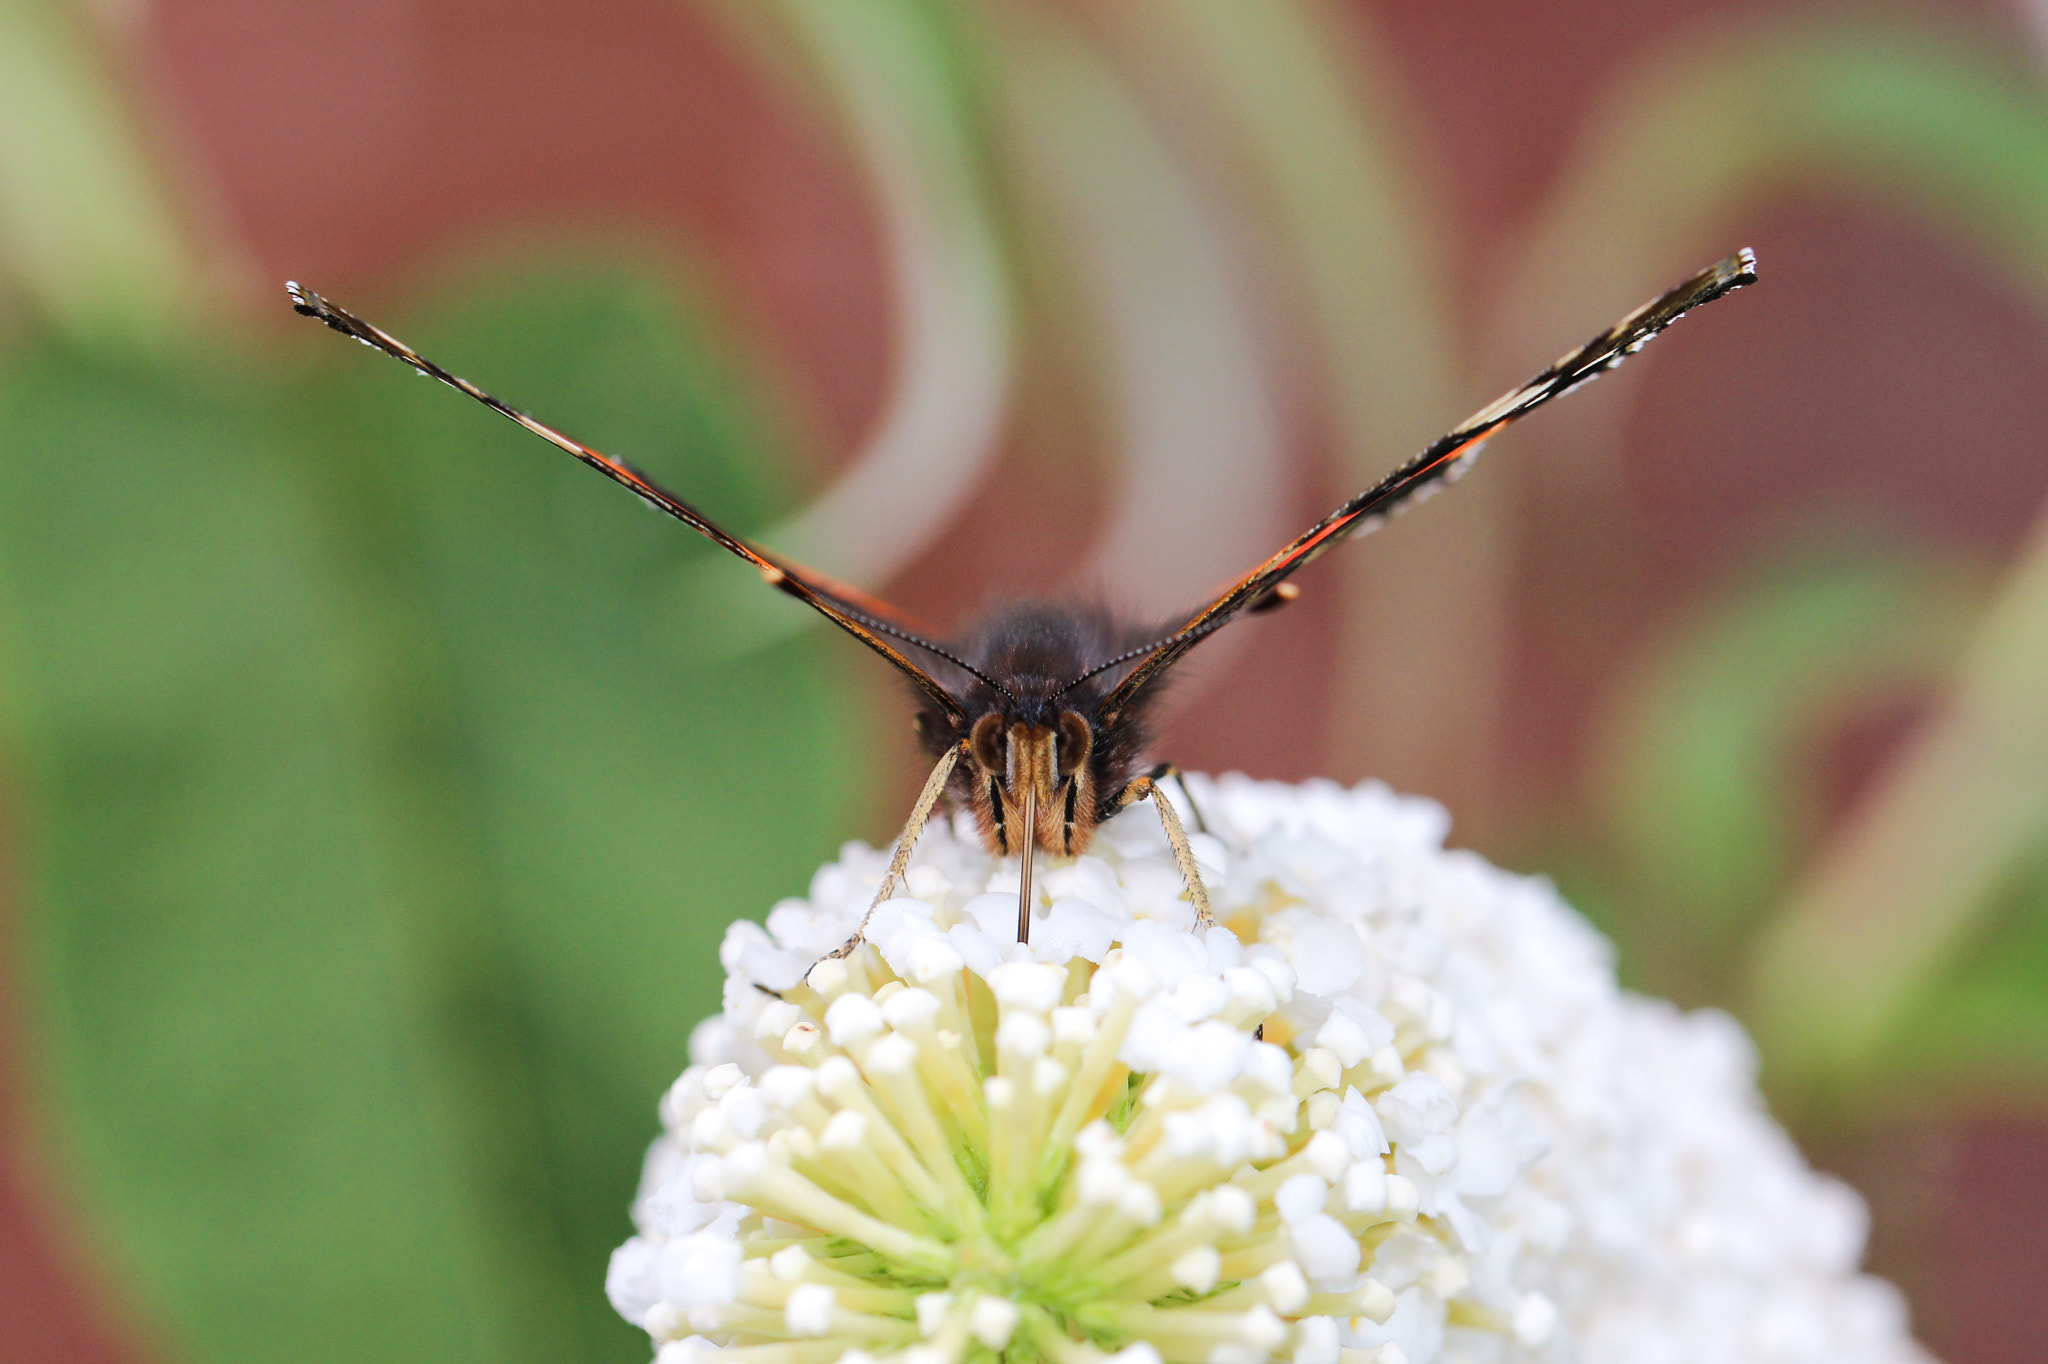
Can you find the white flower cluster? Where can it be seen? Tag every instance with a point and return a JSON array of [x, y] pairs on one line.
[[1393, 1109]]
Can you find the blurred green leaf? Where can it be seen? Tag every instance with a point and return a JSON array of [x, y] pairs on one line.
[[636, 790], [1706, 764], [87, 230], [1980, 1037], [243, 1077], [1882, 926], [379, 851]]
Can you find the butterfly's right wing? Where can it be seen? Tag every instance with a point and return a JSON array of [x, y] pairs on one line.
[[1442, 461], [867, 619]]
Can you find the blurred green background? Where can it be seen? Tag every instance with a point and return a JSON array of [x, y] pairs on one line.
[[375, 783]]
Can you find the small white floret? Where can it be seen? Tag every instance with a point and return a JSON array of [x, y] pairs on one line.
[[1344, 1040], [777, 1018], [993, 1320], [809, 1309], [1233, 1209], [1300, 1198], [1101, 1182], [787, 1086], [1374, 1301], [711, 1131], [1327, 1252], [1286, 1287], [1327, 1155], [805, 1041], [1048, 1078], [1098, 1141], [665, 1319], [1027, 985], [853, 1020], [891, 1055], [1317, 1069], [690, 1350], [847, 1131], [1197, 1268], [1316, 1341], [1260, 1329], [1365, 1187], [1073, 1025], [932, 961], [719, 1079], [932, 1311], [1267, 1068], [1138, 1202], [1021, 1034], [911, 1010], [829, 978], [1535, 1321]]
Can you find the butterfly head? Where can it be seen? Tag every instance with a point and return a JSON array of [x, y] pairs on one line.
[[1038, 753], [1030, 779]]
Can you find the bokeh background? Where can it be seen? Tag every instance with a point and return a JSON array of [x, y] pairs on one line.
[[375, 783]]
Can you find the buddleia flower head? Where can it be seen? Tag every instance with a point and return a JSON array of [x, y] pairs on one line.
[[1393, 1109]]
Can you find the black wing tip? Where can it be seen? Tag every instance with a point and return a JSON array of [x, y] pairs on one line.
[[1734, 272], [306, 303], [1717, 281]]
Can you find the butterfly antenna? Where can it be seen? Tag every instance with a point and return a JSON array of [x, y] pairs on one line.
[[1124, 657], [1195, 637], [910, 637]]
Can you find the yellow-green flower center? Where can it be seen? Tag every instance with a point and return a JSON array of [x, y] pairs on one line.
[[947, 1166]]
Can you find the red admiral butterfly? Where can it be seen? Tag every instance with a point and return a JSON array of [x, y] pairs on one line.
[[1038, 715]]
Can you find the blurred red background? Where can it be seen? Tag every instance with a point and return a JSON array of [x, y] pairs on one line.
[[359, 145]]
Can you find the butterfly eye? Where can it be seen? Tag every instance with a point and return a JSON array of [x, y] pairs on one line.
[[986, 741], [1075, 741]]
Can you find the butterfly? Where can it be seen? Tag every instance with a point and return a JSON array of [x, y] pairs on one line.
[[1038, 715]]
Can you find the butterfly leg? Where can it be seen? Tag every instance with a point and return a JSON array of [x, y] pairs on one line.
[[1184, 856], [927, 799], [1165, 770]]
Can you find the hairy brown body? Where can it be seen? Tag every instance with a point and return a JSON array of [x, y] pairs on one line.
[[1032, 721]]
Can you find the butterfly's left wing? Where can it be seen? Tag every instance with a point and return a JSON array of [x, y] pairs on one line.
[[1442, 461], [870, 621]]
